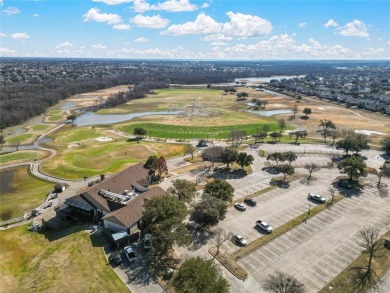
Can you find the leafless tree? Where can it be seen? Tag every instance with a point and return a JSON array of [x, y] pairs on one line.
[[294, 109], [382, 173], [220, 236], [332, 193], [280, 282], [311, 167], [16, 144], [212, 154], [282, 124], [189, 149], [366, 277]]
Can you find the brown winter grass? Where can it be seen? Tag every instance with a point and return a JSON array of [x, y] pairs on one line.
[[57, 261]]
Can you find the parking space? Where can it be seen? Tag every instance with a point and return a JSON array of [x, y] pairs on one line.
[[316, 251], [276, 207]]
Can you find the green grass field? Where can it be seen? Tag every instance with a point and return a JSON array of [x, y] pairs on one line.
[[27, 193], [18, 156], [39, 127], [55, 118], [54, 112], [19, 138], [190, 132], [68, 260], [76, 134]]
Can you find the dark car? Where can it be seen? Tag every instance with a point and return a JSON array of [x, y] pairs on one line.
[[250, 202], [115, 257]]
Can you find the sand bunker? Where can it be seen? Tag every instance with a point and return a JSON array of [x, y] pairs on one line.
[[277, 105], [321, 108], [369, 132], [73, 145], [104, 139]]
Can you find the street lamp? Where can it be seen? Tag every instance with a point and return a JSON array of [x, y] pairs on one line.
[[309, 210]]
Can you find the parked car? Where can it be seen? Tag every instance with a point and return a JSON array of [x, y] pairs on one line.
[[316, 197], [240, 206], [35, 212], [147, 244], [47, 204], [130, 254], [250, 201], [115, 257], [264, 226], [239, 239]]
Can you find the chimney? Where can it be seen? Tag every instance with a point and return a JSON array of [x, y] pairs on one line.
[[102, 176]]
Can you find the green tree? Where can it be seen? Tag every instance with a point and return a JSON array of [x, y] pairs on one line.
[[275, 136], [353, 166], [220, 189], [184, 190], [197, 275], [140, 132], [209, 211], [229, 156], [277, 157], [290, 157], [71, 118], [327, 128], [151, 163], [189, 149], [353, 141], [244, 160], [307, 111], [385, 145], [280, 282], [285, 169]]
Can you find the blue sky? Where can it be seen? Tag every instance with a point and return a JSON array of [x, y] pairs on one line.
[[196, 29]]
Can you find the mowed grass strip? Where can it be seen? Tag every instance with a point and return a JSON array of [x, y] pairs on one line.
[[55, 118], [19, 138], [54, 112], [342, 282], [259, 242], [69, 260], [39, 127], [19, 156], [21, 192], [192, 132]]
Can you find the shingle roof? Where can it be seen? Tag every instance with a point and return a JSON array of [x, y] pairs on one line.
[[133, 211]]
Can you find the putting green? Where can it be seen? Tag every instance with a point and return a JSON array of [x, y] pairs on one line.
[[19, 138]]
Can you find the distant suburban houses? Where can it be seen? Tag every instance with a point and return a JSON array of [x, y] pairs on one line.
[[118, 201], [363, 89]]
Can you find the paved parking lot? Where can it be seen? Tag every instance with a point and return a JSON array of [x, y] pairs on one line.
[[276, 207], [317, 251]]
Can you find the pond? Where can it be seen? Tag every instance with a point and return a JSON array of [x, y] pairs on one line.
[[6, 179], [268, 113], [90, 118], [67, 105]]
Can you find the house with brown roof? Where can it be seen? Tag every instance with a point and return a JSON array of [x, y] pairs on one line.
[[117, 201]]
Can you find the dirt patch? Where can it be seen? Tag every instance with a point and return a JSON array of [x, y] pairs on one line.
[[104, 139], [369, 132], [73, 145]]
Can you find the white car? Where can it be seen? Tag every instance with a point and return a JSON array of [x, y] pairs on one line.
[[264, 226], [130, 254], [240, 240], [316, 197], [147, 244], [240, 206]]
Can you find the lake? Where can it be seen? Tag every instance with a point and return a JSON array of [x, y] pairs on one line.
[[267, 79], [267, 113], [90, 118]]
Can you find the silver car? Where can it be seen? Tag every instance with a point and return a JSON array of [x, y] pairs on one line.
[[240, 240], [316, 197]]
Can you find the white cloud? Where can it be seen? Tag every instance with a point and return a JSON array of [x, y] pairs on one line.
[[121, 26], [35, 15], [205, 5], [330, 23], [246, 25], [99, 46], [3, 35], [141, 40], [20, 36], [112, 2], [219, 44], [355, 28], [169, 5], [94, 15], [12, 10], [65, 44], [155, 21], [302, 24], [203, 24], [6, 52], [217, 38]]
